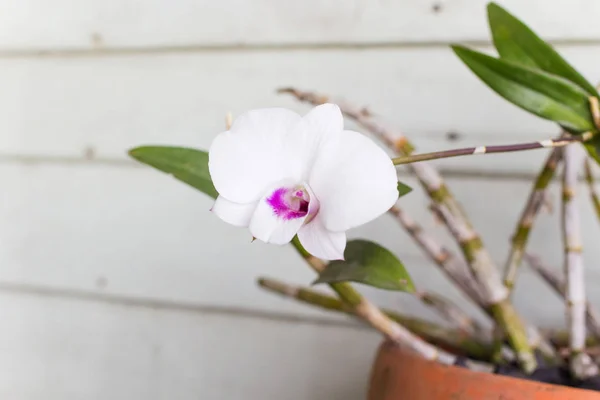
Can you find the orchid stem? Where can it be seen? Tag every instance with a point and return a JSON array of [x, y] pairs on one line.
[[595, 109], [448, 262], [228, 120], [528, 216], [544, 144], [452, 339], [589, 177], [496, 295], [582, 365], [450, 312], [393, 331], [551, 277]]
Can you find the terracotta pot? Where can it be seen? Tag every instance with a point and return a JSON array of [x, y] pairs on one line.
[[400, 375]]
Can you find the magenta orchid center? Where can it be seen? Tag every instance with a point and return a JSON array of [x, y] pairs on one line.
[[290, 203]]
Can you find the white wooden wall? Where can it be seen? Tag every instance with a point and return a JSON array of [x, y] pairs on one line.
[[115, 280]]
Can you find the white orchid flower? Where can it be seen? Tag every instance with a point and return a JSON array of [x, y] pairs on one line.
[[281, 174]]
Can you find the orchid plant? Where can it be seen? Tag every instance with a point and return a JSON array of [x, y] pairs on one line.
[[306, 180]]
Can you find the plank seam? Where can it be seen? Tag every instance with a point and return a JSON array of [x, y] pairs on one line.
[[257, 47]]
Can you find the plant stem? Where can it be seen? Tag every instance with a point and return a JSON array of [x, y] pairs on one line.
[[487, 276], [451, 339], [450, 264], [450, 312], [447, 261], [589, 177], [549, 275], [582, 366], [595, 109], [550, 143], [496, 295], [528, 216], [378, 320], [561, 338]]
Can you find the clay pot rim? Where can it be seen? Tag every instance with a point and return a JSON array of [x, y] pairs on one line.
[[397, 372]]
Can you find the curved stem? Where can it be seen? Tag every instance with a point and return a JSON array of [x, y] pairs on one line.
[[453, 339], [395, 332]]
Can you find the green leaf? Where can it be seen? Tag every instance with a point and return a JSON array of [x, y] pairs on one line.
[[403, 189], [543, 94], [517, 43], [187, 165], [369, 263]]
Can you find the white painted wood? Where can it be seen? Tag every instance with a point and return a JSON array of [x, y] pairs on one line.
[[98, 236], [54, 348], [72, 107], [139, 233], [93, 24]]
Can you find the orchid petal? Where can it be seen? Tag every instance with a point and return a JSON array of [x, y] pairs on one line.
[[315, 238], [319, 124], [254, 154], [233, 213], [322, 243], [354, 180], [271, 224]]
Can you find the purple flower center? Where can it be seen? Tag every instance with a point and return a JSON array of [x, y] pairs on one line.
[[289, 203]]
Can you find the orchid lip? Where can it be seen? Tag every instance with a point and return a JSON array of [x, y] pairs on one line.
[[290, 202]]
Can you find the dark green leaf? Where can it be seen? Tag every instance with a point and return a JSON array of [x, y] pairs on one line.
[[187, 165], [517, 43], [543, 94], [403, 189], [369, 263]]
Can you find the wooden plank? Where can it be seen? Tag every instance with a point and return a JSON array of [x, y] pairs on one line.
[[96, 24], [87, 107], [135, 232], [56, 349]]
